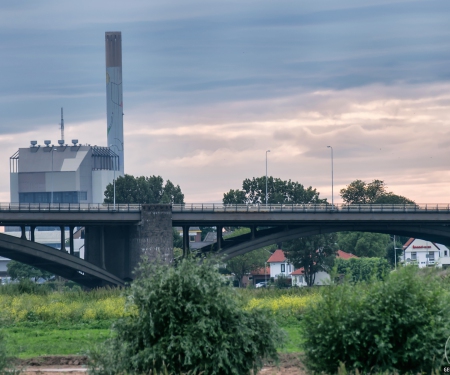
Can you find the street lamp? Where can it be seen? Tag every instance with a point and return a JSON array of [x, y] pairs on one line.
[[332, 183], [266, 175], [395, 253], [51, 198]]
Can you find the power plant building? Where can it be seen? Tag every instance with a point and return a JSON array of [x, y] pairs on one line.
[[61, 174]]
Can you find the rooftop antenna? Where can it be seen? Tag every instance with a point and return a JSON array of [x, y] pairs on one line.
[[62, 125]]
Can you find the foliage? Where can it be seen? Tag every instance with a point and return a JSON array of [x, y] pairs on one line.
[[278, 191], [362, 269], [390, 253], [57, 307], [6, 365], [243, 264], [399, 324], [19, 271], [188, 321], [177, 239], [363, 244], [312, 254], [130, 189], [360, 192]]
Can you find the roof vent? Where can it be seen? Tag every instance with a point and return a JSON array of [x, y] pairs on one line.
[[47, 142], [33, 143], [61, 142], [74, 141]]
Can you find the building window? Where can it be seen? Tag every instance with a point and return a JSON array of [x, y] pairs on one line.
[[283, 268], [300, 278], [413, 256], [191, 238], [445, 253], [431, 256]]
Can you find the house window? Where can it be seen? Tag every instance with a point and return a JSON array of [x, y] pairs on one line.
[[431, 256], [283, 268], [445, 253], [413, 256], [300, 278], [191, 238]]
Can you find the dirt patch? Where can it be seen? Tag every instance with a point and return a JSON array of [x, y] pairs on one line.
[[290, 364]]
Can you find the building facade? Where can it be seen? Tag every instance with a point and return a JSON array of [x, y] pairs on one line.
[[61, 174]]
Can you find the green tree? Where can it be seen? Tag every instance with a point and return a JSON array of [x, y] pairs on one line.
[[278, 191], [143, 190], [187, 320], [313, 254], [18, 271], [375, 192], [363, 244], [390, 253]]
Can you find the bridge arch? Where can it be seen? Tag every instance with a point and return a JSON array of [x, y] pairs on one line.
[[436, 233], [57, 262]]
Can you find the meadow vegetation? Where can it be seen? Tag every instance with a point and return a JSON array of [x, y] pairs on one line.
[[398, 323]]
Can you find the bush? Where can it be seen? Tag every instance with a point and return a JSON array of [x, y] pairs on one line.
[[362, 269], [5, 361], [400, 324], [187, 320]]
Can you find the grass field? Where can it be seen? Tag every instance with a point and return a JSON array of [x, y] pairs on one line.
[[67, 322]]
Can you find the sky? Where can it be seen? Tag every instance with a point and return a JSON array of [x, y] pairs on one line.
[[210, 86]]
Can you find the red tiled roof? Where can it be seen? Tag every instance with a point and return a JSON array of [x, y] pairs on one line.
[[408, 243], [343, 255], [277, 257], [260, 271], [298, 272]]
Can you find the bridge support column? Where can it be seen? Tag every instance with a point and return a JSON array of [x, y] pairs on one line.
[[23, 235], [32, 229], [62, 228], [253, 232], [219, 229], [71, 239], [185, 240], [153, 238]]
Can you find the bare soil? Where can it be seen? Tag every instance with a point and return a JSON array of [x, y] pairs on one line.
[[290, 364]]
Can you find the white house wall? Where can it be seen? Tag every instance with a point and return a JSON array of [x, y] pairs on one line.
[[275, 269]]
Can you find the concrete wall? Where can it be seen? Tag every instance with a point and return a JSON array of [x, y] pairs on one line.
[[119, 248], [100, 179]]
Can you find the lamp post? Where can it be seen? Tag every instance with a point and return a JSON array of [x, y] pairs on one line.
[[332, 182], [266, 175], [395, 253], [51, 198]]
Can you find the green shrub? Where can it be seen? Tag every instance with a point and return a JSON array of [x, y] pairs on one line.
[[187, 320], [399, 324], [362, 269], [6, 366]]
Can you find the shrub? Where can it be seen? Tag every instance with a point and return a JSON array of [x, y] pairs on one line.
[[5, 361], [362, 269], [399, 324], [188, 321]]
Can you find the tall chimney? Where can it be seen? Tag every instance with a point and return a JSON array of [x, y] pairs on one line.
[[114, 104]]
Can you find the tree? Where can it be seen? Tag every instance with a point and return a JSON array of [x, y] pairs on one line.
[[242, 265], [390, 252], [362, 269], [278, 191], [311, 253], [143, 190], [17, 271], [363, 244], [360, 192], [186, 320]]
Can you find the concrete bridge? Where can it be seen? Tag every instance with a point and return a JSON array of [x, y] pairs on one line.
[[117, 236]]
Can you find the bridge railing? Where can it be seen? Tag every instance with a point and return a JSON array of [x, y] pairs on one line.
[[310, 208], [69, 207]]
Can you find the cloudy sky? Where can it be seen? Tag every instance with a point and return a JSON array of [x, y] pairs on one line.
[[209, 86]]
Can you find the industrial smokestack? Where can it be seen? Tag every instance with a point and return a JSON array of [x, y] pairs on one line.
[[114, 104]]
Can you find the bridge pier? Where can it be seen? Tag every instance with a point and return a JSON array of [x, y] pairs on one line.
[[32, 229], [119, 248], [62, 228], [219, 229], [185, 240], [23, 235]]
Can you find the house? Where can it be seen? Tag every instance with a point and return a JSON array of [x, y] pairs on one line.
[[260, 275], [279, 265], [425, 253], [322, 277]]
